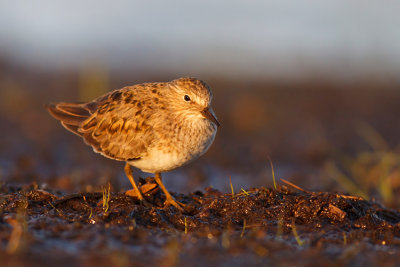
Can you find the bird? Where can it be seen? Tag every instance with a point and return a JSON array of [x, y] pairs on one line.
[[155, 127]]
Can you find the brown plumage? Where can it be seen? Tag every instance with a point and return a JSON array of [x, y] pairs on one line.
[[101, 125], [153, 126]]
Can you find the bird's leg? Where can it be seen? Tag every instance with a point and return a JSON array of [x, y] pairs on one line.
[[169, 199], [128, 172]]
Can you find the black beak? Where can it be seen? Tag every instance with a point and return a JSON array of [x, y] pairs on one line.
[[209, 114]]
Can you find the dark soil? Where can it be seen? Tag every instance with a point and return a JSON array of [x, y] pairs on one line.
[[258, 226], [302, 126]]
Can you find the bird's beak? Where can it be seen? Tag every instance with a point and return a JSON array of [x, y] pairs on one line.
[[209, 114]]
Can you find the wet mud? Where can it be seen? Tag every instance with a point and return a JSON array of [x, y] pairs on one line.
[[317, 131], [286, 225]]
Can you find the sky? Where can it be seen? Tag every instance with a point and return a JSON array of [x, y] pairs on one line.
[[342, 38]]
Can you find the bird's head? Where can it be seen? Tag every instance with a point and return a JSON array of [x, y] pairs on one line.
[[193, 98]]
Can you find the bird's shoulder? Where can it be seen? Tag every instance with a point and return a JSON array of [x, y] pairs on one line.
[[131, 99]]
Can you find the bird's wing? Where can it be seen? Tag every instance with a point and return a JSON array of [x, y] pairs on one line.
[[115, 125]]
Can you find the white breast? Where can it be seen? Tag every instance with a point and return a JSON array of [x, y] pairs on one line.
[[180, 151]]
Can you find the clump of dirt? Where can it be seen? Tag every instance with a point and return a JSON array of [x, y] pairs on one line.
[[257, 226]]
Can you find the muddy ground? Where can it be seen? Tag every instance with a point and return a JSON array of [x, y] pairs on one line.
[[56, 208], [286, 226]]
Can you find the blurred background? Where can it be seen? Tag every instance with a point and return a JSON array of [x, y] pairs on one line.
[[314, 85]]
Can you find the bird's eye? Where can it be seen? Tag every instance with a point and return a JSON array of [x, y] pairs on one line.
[[187, 98]]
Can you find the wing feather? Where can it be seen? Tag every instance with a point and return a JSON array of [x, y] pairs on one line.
[[114, 125]]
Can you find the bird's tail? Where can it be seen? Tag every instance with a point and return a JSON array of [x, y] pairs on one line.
[[71, 115]]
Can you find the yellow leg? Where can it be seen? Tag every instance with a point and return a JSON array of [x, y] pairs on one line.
[[169, 199], [128, 173]]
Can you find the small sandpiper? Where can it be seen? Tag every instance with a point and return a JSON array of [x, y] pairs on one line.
[[155, 127]]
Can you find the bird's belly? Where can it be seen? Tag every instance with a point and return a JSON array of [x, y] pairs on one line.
[[162, 159]]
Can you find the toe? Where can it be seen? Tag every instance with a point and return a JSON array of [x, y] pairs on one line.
[[134, 193], [171, 202]]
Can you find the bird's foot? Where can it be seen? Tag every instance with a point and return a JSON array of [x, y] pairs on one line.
[[144, 190], [172, 202], [134, 193]]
